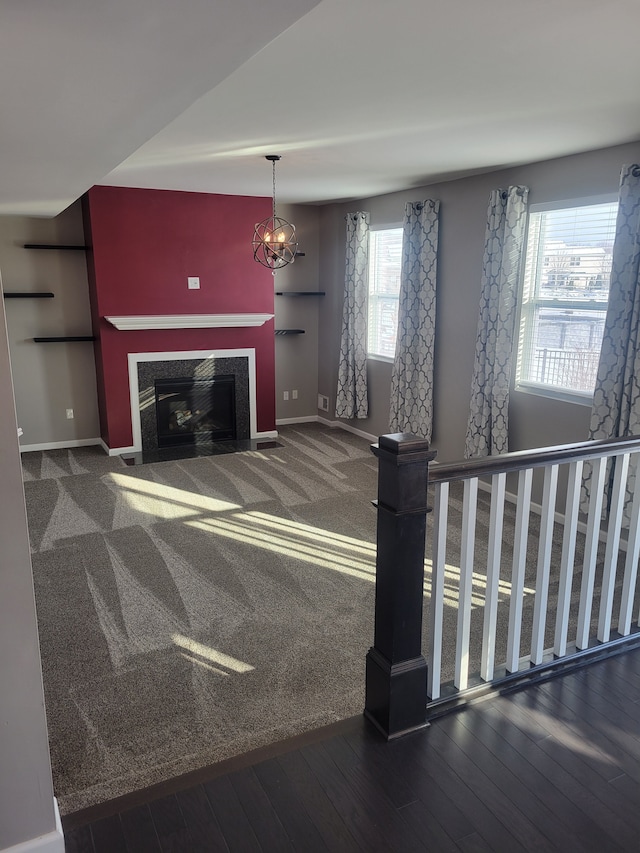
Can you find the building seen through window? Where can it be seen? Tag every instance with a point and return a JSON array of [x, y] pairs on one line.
[[385, 258], [565, 292]]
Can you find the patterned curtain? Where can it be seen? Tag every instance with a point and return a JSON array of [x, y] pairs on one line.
[[488, 425], [411, 408], [616, 399], [351, 397]]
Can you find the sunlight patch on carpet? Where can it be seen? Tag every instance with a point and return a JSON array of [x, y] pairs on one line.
[[164, 501], [203, 651], [241, 528]]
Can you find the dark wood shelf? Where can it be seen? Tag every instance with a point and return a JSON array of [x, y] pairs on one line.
[[289, 332], [64, 339], [64, 248], [299, 254], [27, 294], [300, 292]]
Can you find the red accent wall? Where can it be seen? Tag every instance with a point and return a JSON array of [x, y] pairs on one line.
[[143, 246]]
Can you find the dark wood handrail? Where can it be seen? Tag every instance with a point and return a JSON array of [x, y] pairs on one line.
[[520, 459]]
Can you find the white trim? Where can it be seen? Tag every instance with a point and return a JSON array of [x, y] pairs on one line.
[[135, 358], [555, 393], [304, 419], [386, 359], [309, 419], [561, 204], [52, 842], [270, 433], [60, 445], [118, 451], [347, 428], [188, 321]]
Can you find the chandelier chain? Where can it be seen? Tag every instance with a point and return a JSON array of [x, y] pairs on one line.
[[273, 165]]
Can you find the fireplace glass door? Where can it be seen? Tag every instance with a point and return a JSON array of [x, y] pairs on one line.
[[195, 411]]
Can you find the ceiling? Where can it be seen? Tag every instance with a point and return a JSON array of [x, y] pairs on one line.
[[359, 98]]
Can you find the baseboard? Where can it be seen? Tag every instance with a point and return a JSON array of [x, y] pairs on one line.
[[347, 428], [305, 419], [309, 419], [115, 451], [61, 445], [269, 433], [52, 842]]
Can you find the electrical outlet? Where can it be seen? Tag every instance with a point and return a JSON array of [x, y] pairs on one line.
[[323, 403], [294, 395], [193, 282], [285, 395], [70, 414]]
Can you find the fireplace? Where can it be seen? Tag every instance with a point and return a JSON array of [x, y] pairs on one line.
[[195, 411], [194, 397]]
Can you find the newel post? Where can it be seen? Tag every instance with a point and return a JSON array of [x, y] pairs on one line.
[[396, 673]]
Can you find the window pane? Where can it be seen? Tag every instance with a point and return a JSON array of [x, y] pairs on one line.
[[565, 292], [385, 257], [566, 348]]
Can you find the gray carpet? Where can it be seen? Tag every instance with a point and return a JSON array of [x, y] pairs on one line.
[[193, 610], [190, 611]]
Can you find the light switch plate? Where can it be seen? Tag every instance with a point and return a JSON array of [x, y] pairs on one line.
[[193, 282]]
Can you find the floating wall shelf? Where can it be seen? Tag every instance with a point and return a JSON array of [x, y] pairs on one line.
[[299, 292], [289, 332], [65, 339], [64, 248], [33, 294]]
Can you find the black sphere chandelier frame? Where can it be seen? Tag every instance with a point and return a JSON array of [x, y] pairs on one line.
[[274, 239]]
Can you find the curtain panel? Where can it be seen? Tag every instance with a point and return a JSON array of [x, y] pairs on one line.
[[616, 399], [488, 424], [411, 403], [351, 395]]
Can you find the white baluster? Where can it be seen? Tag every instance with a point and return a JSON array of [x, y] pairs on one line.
[[469, 509], [631, 562], [591, 552], [613, 544], [436, 608], [525, 479], [568, 555], [496, 518], [544, 562]]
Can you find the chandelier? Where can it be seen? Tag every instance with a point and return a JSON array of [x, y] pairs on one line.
[[274, 239]]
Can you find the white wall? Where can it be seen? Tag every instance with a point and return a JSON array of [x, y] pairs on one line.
[[49, 378], [26, 791], [534, 421]]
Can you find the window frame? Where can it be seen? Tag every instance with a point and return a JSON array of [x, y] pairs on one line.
[[527, 386], [396, 226]]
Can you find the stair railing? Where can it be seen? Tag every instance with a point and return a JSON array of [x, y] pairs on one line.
[[396, 669]]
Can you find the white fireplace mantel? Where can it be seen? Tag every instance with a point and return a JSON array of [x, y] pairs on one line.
[[188, 321]]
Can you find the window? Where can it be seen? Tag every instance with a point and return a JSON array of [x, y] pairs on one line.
[[385, 257], [565, 291]]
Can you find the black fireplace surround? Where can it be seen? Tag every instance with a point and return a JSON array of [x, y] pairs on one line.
[[195, 411], [193, 401]]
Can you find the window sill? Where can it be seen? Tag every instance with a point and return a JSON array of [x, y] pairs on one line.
[[385, 358], [566, 396]]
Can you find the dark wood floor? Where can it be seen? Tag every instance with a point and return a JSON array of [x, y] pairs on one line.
[[554, 766]]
